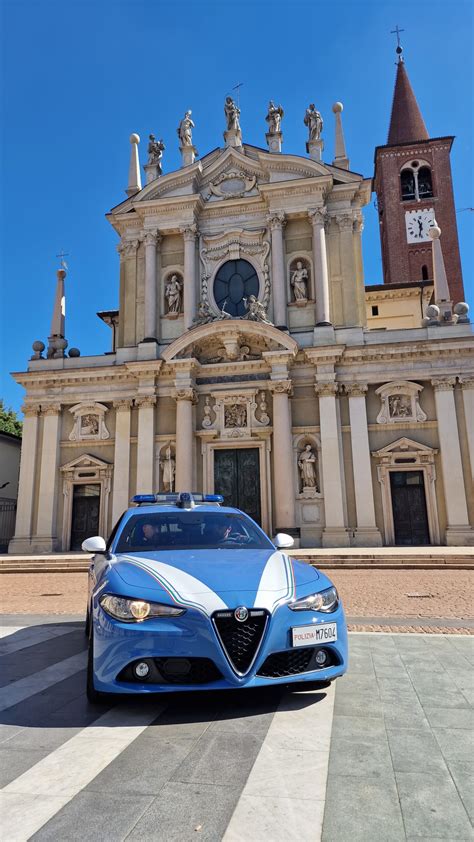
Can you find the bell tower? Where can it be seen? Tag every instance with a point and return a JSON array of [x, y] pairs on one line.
[[413, 184]]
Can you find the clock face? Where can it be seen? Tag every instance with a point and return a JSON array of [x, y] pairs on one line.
[[418, 223]]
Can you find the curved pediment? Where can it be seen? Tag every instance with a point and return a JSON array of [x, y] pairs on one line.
[[230, 340]]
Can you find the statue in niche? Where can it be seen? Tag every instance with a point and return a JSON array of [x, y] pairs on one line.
[[207, 420], [90, 425], [155, 152], [399, 406], [235, 415], [184, 130], [173, 291], [299, 281], [232, 114], [255, 310], [314, 122], [168, 466], [307, 466], [274, 117]]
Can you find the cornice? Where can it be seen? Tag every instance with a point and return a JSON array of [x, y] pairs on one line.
[[406, 292]]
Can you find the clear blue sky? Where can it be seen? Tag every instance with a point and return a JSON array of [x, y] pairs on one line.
[[79, 77]]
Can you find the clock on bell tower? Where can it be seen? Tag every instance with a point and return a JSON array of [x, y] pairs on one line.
[[413, 184]]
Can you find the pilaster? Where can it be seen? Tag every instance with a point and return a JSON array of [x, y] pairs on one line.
[[152, 240], [185, 397], [121, 481], [467, 386], [145, 443], [367, 534], [335, 533], [45, 539], [283, 474], [276, 223], [189, 291], [22, 541], [317, 218]]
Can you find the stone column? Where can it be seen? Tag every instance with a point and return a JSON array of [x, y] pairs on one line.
[[282, 452], [458, 531], [367, 534], [29, 443], [189, 292], [45, 540], [185, 398], [320, 264], [276, 224], [128, 297], [335, 533], [467, 385], [145, 443], [121, 482], [151, 241]]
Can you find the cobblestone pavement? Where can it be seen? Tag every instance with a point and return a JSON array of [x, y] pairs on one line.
[[385, 754], [416, 594]]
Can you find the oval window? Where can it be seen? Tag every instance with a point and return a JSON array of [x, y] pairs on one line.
[[235, 281]]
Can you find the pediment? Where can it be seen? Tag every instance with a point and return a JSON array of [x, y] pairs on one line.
[[228, 341], [86, 461], [404, 445]]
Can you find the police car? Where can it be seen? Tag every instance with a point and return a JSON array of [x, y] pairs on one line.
[[188, 594]]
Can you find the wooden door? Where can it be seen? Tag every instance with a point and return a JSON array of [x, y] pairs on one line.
[[237, 478]]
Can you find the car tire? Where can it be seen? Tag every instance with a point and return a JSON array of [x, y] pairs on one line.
[[95, 697]]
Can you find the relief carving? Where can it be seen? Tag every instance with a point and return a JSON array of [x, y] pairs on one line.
[[400, 402]]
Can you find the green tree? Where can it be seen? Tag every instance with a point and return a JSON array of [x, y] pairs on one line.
[[9, 421]]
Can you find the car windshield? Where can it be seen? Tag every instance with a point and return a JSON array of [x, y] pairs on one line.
[[190, 530]]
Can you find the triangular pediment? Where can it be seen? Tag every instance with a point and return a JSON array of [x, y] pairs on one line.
[[403, 445], [86, 461]]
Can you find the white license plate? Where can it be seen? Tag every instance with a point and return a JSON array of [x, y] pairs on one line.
[[309, 635]]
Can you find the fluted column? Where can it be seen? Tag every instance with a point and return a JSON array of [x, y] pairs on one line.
[[282, 452], [121, 483], [276, 223], [458, 530], [189, 291], [320, 262], [145, 444], [152, 240], [185, 398], [334, 533], [467, 385], [29, 443], [45, 539], [367, 533]]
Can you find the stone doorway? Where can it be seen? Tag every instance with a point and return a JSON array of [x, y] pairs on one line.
[[85, 513], [410, 518], [237, 478]]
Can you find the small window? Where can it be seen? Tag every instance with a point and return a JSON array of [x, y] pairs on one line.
[[424, 273], [415, 181], [408, 185], [425, 187], [375, 310]]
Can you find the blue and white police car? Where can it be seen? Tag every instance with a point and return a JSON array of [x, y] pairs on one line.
[[188, 594]]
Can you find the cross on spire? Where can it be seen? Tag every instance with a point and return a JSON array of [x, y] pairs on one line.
[[237, 88], [62, 254], [399, 49]]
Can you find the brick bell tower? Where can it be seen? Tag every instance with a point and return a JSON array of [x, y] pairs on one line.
[[413, 183]]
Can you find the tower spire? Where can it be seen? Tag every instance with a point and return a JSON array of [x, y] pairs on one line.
[[406, 122]]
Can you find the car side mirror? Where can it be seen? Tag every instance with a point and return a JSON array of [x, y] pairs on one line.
[[94, 545], [283, 541]]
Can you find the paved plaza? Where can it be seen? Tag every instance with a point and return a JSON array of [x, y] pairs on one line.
[[385, 753]]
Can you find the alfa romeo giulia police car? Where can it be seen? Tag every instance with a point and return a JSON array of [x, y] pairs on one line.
[[188, 594]]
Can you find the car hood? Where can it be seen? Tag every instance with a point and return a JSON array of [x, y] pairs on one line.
[[212, 580]]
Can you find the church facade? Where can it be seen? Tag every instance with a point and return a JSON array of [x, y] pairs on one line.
[[242, 362]]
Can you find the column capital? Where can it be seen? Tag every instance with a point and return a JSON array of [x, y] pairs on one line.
[[276, 221], [152, 238], [443, 384], [185, 394], [189, 233], [317, 216], [30, 410], [345, 221], [51, 409], [145, 400], [324, 390], [122, 404], [281, 387], [355, 390], [358, 224], [467, 382], [130, 247]]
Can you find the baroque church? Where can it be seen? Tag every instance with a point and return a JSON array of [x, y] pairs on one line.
[[248, 359]]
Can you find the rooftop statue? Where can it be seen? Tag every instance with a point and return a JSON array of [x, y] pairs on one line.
[[155, 152], [314, 122], [274, 117], [184, 130], [232, 114]]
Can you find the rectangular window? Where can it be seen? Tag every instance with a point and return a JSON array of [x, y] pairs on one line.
[[375, 310]]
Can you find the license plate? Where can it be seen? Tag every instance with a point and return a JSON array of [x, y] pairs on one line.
[[309, 635]]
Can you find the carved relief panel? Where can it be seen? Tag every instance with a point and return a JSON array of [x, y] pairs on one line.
[[89, 422], [234, 415], [400, 402]]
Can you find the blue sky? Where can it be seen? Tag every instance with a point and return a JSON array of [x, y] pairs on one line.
[[79, 77]]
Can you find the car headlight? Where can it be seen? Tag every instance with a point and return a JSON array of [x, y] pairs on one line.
[[326, 601], [136, 610]]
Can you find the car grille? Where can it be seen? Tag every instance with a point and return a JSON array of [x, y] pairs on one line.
[[174, 671], [240, 640], [293, 662]]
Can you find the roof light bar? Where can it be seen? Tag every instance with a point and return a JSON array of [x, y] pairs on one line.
[[185, 499]]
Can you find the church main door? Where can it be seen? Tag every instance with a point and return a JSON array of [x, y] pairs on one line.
[[237, 478], [410, 518], [85, 514]]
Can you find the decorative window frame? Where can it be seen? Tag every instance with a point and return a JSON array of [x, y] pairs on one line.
[[91, 408], [85, 470], [407, 455], [238, 244], [415, 170], [400, 387]]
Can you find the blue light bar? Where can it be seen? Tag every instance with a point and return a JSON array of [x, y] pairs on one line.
[[144, 498], [213, 498], [185, 499]]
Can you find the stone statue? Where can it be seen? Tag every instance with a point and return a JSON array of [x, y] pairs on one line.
[[307, 466], [168, 466], [173, 294], [255, 310], [232, 114], [298, 281], [314, 122], [185, 130], [155, 152], [274, 117], [204, 315]]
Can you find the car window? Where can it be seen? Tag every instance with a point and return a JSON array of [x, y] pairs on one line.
[[186, 530]]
